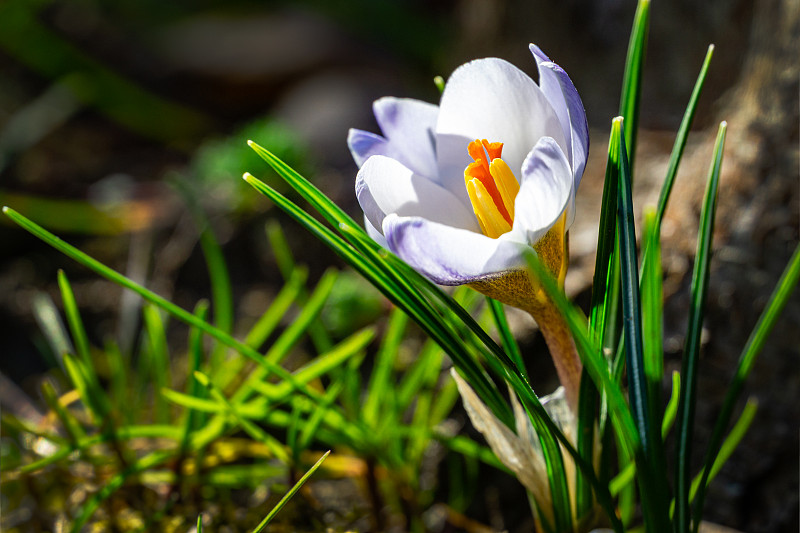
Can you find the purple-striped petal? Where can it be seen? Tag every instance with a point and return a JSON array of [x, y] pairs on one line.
[[448, 255], [561, 92], [407, 127]]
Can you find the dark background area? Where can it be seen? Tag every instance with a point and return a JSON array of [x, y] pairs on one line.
[[105, 105]]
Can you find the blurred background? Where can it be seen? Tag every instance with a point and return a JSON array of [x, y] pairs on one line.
[[120, 120]]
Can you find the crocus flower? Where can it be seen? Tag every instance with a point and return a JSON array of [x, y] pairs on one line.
[[520, 180], [463, 190]]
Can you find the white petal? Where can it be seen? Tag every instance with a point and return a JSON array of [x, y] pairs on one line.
[[545, 191], [491, 99], [448, 255], [384, 185], [375, 233], [407, 126], [562, 95]]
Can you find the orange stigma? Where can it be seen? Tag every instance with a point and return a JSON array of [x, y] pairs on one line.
[[491, 187]]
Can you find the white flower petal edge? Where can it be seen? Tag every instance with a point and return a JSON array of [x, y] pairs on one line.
[[562, 95], [545, 192], [448, 255], [408, 127], [491, 99], [384, 185]]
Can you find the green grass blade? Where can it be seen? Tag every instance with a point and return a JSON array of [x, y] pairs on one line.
[[680, 140], [652, 316], [279, 306], [650, 460], [72, 426], [193, 386], [163, 303], [506, 337], [380, 390], [731, 443], [255, 432], [389, 281], [632, 79], [74, 319], [626, 475], [318, 367], [275, 510], [321, 203], [157, 362], [758, 337], [605, 260], [691, 352]]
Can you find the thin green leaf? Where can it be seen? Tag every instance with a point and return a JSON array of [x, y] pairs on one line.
[[74, 319], [506, 337], [758, 337], [652, 316], [650, 459], [680, 140], [380, 390], [157, 362], [275, 510], [691, 352], [169, 307], [632, 79]]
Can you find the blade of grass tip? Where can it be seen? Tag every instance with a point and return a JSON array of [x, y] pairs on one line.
[[652, 316], [606, 239], [680, 140], [732, 441], [74, 321], [200, 523], [650, 460], [179, 313], [158, 358], [334, 214], [275, 510], [691, 351], [632, 79], [758, 337], [506, 337]]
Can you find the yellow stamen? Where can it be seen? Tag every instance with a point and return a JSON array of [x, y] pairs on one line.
[[492, 223], [506, 183], [492, 187]]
